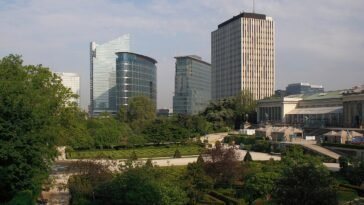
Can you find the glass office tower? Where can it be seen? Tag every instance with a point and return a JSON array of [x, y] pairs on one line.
[[103, 74], [136, 75], [303, 88], [192, 91]]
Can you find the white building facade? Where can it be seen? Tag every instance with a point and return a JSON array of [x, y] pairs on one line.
[[71, 81], [103, 74], [243, 56], [313, 110]]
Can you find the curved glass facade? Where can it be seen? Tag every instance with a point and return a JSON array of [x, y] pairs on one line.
[[136, 75]]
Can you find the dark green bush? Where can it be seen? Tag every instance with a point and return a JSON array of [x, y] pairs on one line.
[[177, 154], [227, 199], [22, 198]]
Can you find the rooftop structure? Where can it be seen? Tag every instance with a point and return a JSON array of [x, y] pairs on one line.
[[303, 88]]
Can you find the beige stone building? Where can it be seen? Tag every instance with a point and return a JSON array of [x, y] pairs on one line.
[[342, 108], [280, 133], [243, 56], [315, 110], [353, 104]]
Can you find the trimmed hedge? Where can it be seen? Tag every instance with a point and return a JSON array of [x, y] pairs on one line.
[[210, 200], [228, 200], [145, 152], [351, 146], [240, 139]]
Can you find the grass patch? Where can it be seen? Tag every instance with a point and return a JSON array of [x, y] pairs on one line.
[[346, 195], [143, 152], [173, 173]]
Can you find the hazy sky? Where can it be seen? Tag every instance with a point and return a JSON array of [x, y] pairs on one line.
[[317, 41]]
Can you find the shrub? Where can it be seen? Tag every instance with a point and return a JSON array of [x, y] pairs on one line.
[[248, 157], [133, 156], [177, 154], [208, 200], [22, 198], [227, 199]]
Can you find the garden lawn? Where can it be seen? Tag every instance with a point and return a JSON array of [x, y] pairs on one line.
[[346, 195], [144, 152]]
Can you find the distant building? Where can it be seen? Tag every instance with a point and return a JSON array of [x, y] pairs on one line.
[[103, 74], [136, 75], [303, 88], [192, 91], [316, 110], [164, 112], [353, 102], [280, 93], [71, 81], [243, 56]]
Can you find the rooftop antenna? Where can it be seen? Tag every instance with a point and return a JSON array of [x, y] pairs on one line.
[[253, 6]]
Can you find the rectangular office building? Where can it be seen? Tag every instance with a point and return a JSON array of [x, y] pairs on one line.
[[243, 56], [192, 91]]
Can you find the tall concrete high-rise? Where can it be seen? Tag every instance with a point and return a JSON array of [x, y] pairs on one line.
[[192, 91], [103, 74], [71, 81], [243, 56]]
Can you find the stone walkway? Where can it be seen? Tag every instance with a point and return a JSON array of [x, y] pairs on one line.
[[318, 149]]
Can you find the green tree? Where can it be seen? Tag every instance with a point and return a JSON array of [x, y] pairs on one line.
[[165, 130], [141, 111], [305, 184], [122, 115], [149, 163], [224, 166], [221, 114], [200, 160], [133, 156], [91, 175], [32, 100], [244, 106], [344, 163], [108, 132], [355, 172], [135, 139], [196, 182], [304, 180], [177, 154], [197, 125], [140, 185], [230, 112], [73, 129], [260, 184], [248, 157]]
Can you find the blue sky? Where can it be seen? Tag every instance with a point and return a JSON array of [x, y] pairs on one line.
[[317, 41]]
